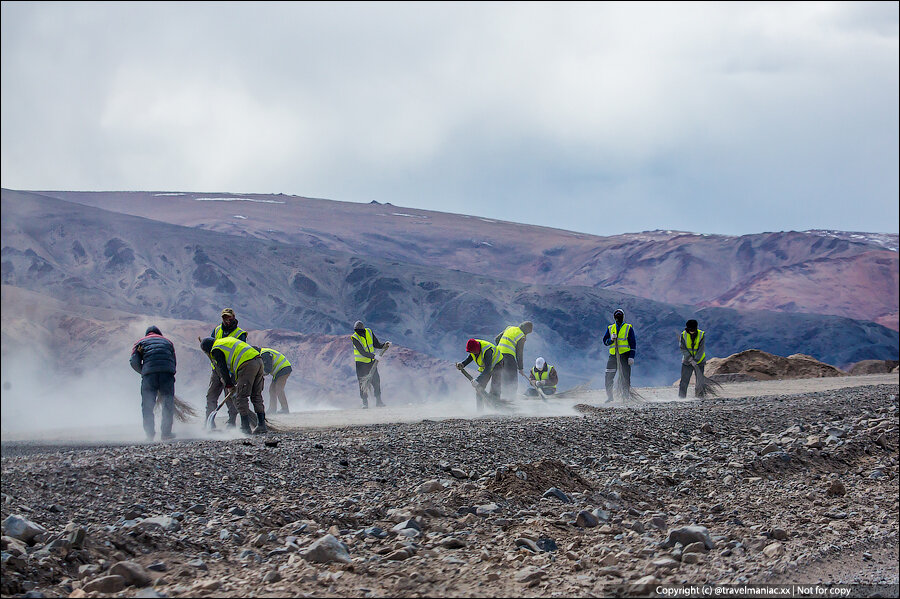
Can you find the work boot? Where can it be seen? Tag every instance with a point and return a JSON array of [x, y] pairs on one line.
[[261, 419], [365, 404], [167, 436], [231, 422], [150, 436], [379, 403], [245, 424]]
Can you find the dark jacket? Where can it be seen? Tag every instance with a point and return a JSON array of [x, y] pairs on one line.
[[631, 341], [487, 360], [226, 332], [153, 353]]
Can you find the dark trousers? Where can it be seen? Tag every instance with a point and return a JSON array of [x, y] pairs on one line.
[[212, 397], [686, 371], [248, 387], [611, 367], [496, 386], [510, 370], [362, 371], [159, 385], [532, 392]]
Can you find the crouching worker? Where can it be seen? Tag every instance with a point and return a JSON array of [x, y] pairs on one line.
[[153, 357], [241, 370], [543, 376]]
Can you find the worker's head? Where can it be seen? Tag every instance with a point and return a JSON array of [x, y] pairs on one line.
[[691, 326], [206, 344], [227, 315], [526, 327], [153, 329], [473, 347], [619, 315], [540, 363], [359, 326]]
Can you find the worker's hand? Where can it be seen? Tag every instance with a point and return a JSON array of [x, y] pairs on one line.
[[613, 337], [693, 362], [387, 344], [229, 390], [522, 372], [631, 361], [475, 384], [374, 360], [459, 366], [539, 383]]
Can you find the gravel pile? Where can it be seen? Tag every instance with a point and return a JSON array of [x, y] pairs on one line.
[[613, 502]]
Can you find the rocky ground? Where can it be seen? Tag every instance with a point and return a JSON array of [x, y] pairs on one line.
[[778, 488]]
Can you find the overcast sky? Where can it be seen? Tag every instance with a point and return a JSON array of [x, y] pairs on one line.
[[596, 117]]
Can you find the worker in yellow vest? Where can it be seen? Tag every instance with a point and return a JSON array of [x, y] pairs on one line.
[[620, 337], [511, 345], [693, 353], [487, 358], [276, 364], [241, 369], [544, 376], [228, 328], [364, 345]]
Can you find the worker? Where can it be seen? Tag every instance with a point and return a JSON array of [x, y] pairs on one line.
[[241, 370], [153, 357], [487, 358], [693, 353], [544, 377], [620, 337], [279, 367], [511, 345], [364, 345], [228, 328]]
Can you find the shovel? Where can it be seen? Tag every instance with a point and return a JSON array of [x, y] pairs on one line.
[[364, 383], [534, 386], [212, 415], [485, 397]]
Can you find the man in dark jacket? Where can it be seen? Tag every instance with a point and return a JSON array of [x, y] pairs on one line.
[[153, 357], [364, 344], [623, 345], [228, 328]]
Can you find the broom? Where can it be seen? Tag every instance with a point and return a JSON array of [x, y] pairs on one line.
[[705, 386], [181, 410], [631, 396]]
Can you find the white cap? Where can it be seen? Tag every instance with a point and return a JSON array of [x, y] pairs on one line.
[[539, 363]]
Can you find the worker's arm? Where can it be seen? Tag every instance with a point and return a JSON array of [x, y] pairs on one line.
[[606, 339], [243, 336], [685, 352], [498, 338], [520, 354], [222, 367], [467, 361], [376, 343], [361, 349], [137, 359], [267, 362], [631, 342], [701, 349]]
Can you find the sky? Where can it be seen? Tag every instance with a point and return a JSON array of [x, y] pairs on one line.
[[602, 118]]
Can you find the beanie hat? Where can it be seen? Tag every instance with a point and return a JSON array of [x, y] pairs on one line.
[[206, 344], [473, 347], [152, 329], [540, 363], [358, 325], [527, 327], [690, 325], [228, 311]]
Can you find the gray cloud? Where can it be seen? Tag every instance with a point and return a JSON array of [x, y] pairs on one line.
[[597, 117]]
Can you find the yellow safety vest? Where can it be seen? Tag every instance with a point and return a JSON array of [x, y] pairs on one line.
[[278, 360], [542, 375], [509, 339], [479, 359], [621, 343], [218, 334], [236, 352], [367, 344], [693, 350]]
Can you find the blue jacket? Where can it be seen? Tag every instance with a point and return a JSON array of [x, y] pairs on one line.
[[153, 353]]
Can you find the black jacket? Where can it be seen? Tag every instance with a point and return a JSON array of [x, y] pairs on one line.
[[153, 353]]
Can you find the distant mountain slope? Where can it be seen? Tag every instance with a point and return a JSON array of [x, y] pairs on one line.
[[88, 256], [669, 266]]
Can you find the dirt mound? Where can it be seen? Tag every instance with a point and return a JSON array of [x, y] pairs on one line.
[[764, 366], [873, 367], [534, 478]]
